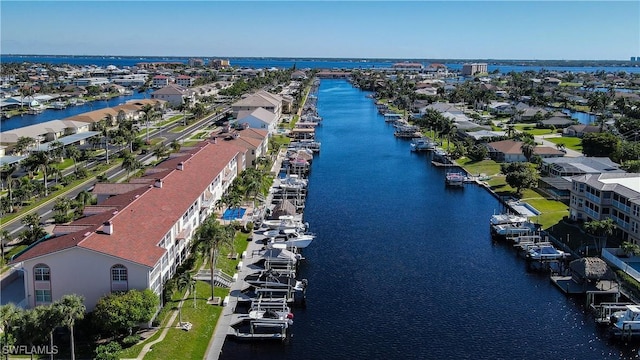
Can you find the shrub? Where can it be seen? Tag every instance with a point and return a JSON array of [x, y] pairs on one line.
[[108, 351], [131, 340]]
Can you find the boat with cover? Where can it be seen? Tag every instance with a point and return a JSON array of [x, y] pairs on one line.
[[422, 144], [545, 252], [285, 222], [626, 323], [454, 179]]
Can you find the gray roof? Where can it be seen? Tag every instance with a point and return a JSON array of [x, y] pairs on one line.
[[583, 164], [627, 184], [562, 121]]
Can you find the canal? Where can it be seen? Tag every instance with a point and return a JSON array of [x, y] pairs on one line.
[[18, 121], [403, 267]]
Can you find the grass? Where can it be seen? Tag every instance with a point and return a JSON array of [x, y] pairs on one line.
[[531, 129], [180, 344], [572, 84], [488, 167], [572, 143], [552, 211]]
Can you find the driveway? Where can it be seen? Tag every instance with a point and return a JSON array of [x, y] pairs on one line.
[[541, 139]]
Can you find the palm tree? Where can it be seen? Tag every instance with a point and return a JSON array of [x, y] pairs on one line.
[[10, 316], [62, 207], [528, 146], [160, 151], [40, 161], [50, 318], [4, 237], [600, 229], [186, 280], [57, 150], [175, 146], [511, 128], [150, 115], [72, 306], [7, 175], [210, 236], [130, 163], [73, 153], [23, 143], [34, 231]]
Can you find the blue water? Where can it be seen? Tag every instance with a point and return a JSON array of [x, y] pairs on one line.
[[300, 63], [582, 117], [403, 268], [233, 213], [51, 114]]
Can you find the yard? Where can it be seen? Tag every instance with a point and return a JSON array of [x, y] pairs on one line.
[[573, 143]]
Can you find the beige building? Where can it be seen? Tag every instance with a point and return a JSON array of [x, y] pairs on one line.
[[474, 68], [615, 196]]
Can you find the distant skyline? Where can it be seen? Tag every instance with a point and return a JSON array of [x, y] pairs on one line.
[[524, 30]]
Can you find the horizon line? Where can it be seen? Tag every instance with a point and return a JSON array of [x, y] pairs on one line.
[[306, 57]]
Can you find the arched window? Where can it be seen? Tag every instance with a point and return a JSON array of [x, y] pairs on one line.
[[119, 278], [42, 284]]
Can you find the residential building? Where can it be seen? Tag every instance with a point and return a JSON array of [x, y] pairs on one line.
[[511, 151], [571, 166], [173, 94], [133, 240], [160, 81], [260, 99], [474, 69], [578, 130], [93, 81], [195, 62], [259, 118], [256, 141], [615, 196], [185, 81], [219, 63]]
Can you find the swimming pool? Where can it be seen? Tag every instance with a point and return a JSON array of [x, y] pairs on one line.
[[233, 213]]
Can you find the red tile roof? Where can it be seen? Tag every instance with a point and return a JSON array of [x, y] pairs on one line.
[[145, 215]]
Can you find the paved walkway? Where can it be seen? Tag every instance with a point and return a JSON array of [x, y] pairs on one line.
[[542, 139]]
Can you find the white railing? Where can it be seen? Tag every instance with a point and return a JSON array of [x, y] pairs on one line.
[[609, 255]]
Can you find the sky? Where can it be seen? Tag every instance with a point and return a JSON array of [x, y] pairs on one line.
[[535, 30]]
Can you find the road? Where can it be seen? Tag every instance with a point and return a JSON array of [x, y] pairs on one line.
[[14, 227], [541, 139]]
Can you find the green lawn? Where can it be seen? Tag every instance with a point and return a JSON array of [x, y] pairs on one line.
[[180, 344], [488, 167], [531, 129], [552, 211], [572, 143]]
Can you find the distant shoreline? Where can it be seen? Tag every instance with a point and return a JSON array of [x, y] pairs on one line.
[[536, 62]]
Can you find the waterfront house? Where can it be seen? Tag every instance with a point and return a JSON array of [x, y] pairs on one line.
[[511, 151], [95, 116], [571, 166], [173, 94], [260, 99], [578, 130], [557, 122], [136, 240], [612, 195], [259, 118]]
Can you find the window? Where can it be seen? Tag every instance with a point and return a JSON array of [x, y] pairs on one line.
[[118, 273], [42, 273], [119, 277], [43, 296]]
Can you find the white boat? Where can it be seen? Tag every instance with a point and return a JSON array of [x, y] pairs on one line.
[[626, 323], [499, 219], [59, 105], [422, 144], [454, 179], [293, 182], [284, 222], [545, 252], [294, 240], [514, 229]]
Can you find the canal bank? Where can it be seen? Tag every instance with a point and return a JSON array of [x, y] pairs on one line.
[[403, 267]]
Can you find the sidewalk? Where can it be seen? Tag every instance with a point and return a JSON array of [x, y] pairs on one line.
[[542, 139]]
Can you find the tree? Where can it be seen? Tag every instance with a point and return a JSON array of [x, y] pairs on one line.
[[40, 160], [118, 313], [520, 175], [50, 318], [72, 306], [150, 115], [23, 144], [528, 147], [600, 230], [210, 237], [34, 231], [599, 144], [10, 316], [630, 249], [186, 281], [73, 153], [7, 176], [160, 151], [61, 209], [130, 163], [175, 146]]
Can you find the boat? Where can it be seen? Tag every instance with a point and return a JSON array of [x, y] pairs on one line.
[[284, 222], [293, 182], [512, 230], [499, 219], [59, 105], [454, 179], [545, 252], [422, 144], [292, 239], [272, 278], [626, 323], [407, 131]]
